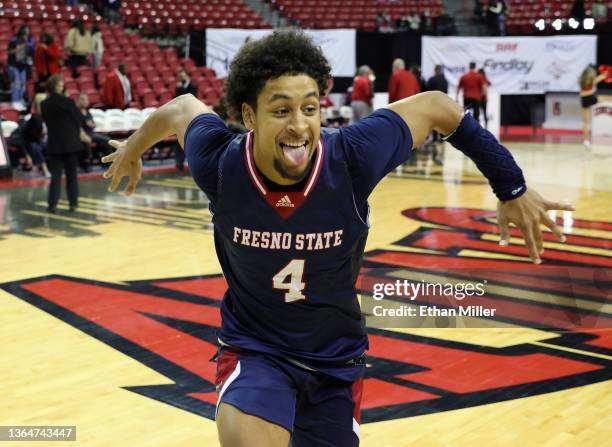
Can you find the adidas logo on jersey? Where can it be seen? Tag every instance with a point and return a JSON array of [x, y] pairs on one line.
[[285, 201]]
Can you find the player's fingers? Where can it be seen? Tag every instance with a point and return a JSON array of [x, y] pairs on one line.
[[537, 237], [504, 232], [109, 158], [559, 206], [131, 186], [115, 183], [530, 243], [114, 143], [552, 226], [109, 172]]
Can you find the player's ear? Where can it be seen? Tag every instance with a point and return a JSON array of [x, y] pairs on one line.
[[248, 116]]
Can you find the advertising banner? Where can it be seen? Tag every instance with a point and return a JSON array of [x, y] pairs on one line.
[[513, 65], [338, 45]]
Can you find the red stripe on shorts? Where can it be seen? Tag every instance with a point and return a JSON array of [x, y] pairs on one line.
[[226, 364]]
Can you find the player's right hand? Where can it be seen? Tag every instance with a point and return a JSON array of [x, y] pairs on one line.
[[123, 164]]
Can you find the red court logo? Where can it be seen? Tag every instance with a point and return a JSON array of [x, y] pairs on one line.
[[171, 325]]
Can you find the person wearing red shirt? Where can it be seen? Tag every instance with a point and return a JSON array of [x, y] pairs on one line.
[[116, 92], [472, 84], [47, 58], [361, 96], [402, 83], [483, 100]]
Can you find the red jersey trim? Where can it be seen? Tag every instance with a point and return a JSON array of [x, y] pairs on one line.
[[250, 162], [258, 182]]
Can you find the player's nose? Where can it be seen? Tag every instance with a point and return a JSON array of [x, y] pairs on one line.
[[298, 124]]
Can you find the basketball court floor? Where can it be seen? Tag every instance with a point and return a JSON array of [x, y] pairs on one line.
[[108, 315]]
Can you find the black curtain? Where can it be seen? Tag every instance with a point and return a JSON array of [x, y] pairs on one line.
[[520, 110], [197, 46]]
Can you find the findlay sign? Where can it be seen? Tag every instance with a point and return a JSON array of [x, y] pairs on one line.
[[511, 63], [170, 326]]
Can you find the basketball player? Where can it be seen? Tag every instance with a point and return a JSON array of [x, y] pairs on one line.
[[290, 212]]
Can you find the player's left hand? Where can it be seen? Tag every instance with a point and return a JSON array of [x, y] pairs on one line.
[[528, 213], [124, 163]]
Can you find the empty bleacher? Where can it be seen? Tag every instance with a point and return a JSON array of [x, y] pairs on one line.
[[179, 17], [359, 14]]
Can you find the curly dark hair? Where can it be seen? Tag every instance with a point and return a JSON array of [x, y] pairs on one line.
[[284, 52]]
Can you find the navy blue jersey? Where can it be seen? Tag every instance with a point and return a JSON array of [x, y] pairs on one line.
[[291, 258]]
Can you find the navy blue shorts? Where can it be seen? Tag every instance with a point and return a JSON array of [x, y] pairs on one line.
[[319, 410]]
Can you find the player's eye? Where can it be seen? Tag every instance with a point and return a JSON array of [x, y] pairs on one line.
[[310, 110], [281, 112]]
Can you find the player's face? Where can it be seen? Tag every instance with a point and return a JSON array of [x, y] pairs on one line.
[[287, 126]]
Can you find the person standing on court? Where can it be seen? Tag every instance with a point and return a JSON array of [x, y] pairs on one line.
[[472, 85], [402, 83], [184, 86], [65, 137], [483, 100], [363, 92], [438, 83], [588, 80]]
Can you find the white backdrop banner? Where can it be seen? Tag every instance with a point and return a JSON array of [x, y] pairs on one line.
[[338, 45], [514, 65]]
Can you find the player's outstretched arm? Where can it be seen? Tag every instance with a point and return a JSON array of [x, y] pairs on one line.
[[170, 119], [518, 205]]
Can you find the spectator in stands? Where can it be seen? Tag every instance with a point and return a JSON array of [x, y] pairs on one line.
[[184, 84], [97, 46], [444, 24], [427, 22], [589, 78], [414, 23], [183, 87], [34, 134], [498, 9], [111, 11], [599, 9], [117, 91], [483, 100], [18, 50], [402, 83], [384, 23], [47, 58], [77, 46], [63, 121], [88, 124], [363, 92], [438, 81], [472, 85]]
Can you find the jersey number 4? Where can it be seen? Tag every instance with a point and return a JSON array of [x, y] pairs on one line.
[[289, 278]]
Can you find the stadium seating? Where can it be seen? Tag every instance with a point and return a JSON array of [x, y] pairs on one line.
[[522, 14], [152, 71], [151, 17], [359, 14]]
